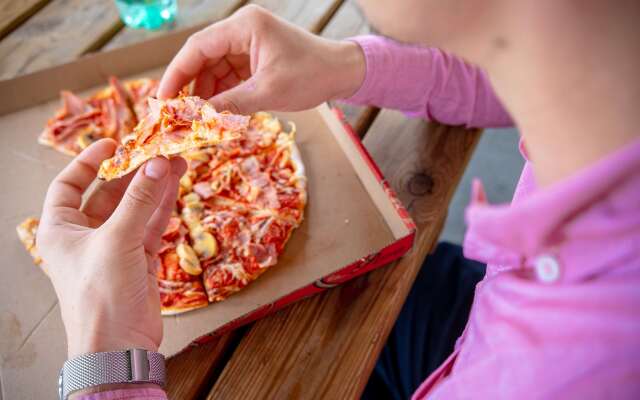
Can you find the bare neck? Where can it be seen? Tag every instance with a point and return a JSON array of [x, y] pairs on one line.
[[571, 80]]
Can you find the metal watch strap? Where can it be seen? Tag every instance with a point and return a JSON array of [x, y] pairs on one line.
[[128, 366]]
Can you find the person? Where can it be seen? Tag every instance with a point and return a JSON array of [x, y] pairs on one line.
[[557, 314]]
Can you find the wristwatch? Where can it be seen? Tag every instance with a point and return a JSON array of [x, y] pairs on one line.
[[112, 367]]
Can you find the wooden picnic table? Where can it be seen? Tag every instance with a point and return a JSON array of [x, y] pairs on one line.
[[332, 339]]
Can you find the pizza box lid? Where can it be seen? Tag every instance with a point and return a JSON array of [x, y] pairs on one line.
[[353, 221]]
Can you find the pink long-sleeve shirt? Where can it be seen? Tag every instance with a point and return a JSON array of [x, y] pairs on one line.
[[558, 313]]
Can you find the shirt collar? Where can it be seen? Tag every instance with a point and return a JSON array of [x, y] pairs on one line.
[[585, 220]]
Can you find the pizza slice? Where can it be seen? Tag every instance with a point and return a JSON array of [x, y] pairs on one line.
[[139, 90], [172, 127], [80, 122], [118, 118], [74, 124]]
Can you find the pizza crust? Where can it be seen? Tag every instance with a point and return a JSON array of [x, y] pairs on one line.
[[300, 173], [296, 159]]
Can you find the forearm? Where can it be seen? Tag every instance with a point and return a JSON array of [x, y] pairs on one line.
[[428, 83]]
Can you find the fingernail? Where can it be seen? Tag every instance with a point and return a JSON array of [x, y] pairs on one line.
[[156, 168]]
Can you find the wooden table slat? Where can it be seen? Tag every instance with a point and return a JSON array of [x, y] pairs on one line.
[[190, 13], [326, 346], [60, 32], [191, 373], [312, 15], [13, 13], [349, 21]]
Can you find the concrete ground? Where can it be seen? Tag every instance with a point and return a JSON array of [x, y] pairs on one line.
[[498, 163]]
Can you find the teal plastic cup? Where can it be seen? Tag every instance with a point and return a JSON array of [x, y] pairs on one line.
[[147, 14]]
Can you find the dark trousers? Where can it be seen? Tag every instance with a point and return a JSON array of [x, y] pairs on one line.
[[432, 318]]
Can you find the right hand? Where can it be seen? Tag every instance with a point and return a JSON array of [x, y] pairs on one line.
[[255, 61]]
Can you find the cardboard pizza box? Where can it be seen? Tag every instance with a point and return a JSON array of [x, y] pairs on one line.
[[353, 222]]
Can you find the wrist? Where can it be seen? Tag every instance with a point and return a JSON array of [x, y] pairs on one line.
[[85, 339], [351, 67]]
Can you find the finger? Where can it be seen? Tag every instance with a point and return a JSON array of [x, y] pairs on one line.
[[244, 72], [141, 199], [205, 83], [221, 69], [105, 198], [158, 222], [231, 80], [245, 98], [241, 65], [208, 46], [67, 188], [182, 69]]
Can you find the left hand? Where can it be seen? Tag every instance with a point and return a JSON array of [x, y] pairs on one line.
[[100, 255]]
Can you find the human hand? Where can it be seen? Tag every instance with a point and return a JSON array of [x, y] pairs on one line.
[[100, 254], [256, 61]]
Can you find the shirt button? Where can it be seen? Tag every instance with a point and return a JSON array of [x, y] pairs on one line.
[[547, 268]]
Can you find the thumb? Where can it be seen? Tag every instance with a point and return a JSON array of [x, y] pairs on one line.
[[142, 198], [245, 98]]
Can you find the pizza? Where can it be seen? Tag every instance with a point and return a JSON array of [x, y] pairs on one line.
[[238, 204], [112, 112]]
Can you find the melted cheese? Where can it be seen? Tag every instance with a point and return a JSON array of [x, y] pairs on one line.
[[236, 270]]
